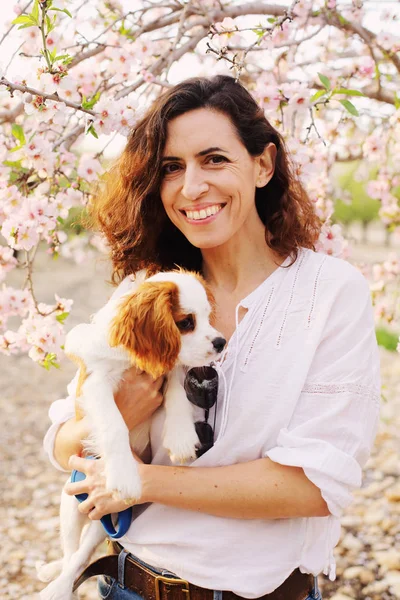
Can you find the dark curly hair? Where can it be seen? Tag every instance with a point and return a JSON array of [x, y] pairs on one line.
[[128, 208]]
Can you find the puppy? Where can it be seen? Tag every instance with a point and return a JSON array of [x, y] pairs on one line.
[[161, 327]]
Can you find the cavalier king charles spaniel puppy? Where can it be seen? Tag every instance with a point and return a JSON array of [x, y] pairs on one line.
[[161, 326]]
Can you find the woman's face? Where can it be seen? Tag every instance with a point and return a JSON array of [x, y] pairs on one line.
[[209, 178]]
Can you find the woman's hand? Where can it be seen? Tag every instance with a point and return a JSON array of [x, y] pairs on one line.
[[138, 396], [100, 501]]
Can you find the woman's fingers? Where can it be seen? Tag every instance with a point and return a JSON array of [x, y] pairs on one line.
[[84, 465], [86, 506], [80, 487]]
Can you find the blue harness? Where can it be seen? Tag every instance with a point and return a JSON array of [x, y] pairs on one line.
[[124, 517]]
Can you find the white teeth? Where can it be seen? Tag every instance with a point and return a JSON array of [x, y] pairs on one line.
[[196, 215]]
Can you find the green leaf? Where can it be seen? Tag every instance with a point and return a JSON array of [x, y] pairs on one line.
[[18, 133], [386, 338], [50, 361], [62, 57], [24, 21], [271, 19], [13, 164], [35, 12], [63, 10], [88, 104], [396, 101], [318, 95], [52, 54], [26, 26], [67, 60], [325, 81], [347, 92], [16, 148], [349, 107], [61, 318], [50, 24], [92, 130]]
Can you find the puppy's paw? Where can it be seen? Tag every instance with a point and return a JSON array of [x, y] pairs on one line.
[[48, 571], [181, 446], [124, 479], [59, 589]]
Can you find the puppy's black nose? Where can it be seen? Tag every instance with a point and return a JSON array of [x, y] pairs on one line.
[[219, 343]]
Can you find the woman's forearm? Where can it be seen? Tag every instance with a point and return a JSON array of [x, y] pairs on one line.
[[68, 440], [259, 489]]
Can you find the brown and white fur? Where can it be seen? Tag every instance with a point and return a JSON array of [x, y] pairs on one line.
[[161, 326]]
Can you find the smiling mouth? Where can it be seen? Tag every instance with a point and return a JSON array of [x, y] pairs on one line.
[[204, 213]]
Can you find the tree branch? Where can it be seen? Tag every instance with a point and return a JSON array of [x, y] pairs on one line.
[[55, 97], [158, 65]]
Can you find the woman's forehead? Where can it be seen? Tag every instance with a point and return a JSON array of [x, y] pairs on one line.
[[198, 130]]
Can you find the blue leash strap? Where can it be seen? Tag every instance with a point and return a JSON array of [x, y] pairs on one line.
[[124, 517]]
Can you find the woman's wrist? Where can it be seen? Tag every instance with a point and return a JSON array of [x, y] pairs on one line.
[[147, 475]]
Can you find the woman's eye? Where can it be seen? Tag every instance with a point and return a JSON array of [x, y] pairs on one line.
[[219, 158], [168, 169], [186, 324]]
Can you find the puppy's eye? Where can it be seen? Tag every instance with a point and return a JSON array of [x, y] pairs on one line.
[[186, 324]]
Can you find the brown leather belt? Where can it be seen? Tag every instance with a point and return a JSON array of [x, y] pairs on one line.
[[151, 586]]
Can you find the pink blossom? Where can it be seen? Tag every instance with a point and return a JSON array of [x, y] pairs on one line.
[[104, 122], [26, 237], [388, 41], [7, 261], [374, 147], [147, 76], [366, 67], [89, 168], [77, 249], [331, 241], [268, 96], [68, 87], [303, 8], [9, 343], [125, 116], [377, 188]]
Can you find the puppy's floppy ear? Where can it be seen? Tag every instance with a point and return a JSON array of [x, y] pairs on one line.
[[145, 326]]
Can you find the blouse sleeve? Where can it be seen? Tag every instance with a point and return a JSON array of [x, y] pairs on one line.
[[60, 411], [64, 409], [334, 424]]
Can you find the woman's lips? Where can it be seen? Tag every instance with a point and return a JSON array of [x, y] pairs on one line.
[[205, 220]]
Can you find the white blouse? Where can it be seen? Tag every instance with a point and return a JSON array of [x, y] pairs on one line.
[[300, 385]]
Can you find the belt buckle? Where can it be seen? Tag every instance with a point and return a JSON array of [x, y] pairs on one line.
[[172, 581]]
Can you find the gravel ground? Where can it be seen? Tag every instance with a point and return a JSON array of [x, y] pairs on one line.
[[368, 563]]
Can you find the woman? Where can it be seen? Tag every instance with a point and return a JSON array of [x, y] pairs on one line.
[[205, 182]]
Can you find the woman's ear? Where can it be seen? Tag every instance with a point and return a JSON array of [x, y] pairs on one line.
[[266, 165], [145, 327]]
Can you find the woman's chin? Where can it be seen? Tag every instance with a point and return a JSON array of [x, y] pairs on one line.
[[207, 243]]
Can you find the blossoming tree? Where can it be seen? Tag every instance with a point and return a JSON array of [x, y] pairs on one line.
[[87, 70]]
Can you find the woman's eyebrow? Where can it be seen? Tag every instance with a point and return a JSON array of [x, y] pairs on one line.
[[202, 153]]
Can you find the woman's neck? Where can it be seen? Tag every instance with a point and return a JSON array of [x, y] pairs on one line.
[[239, 266]]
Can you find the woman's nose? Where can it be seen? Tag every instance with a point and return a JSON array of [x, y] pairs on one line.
[[194, 184]]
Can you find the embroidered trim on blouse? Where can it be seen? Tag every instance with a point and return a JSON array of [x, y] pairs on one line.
[[246, 360], [278, 341], [367, 391], [314, 293]]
